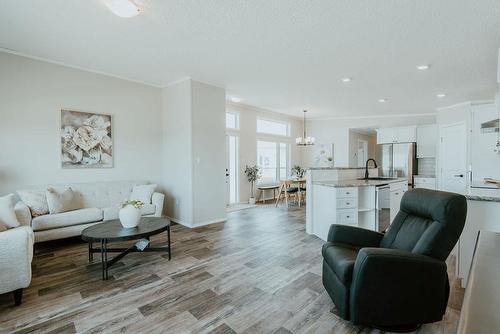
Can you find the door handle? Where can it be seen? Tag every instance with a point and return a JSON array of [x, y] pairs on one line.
[[458, 175]]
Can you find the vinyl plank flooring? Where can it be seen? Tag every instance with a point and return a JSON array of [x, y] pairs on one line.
[[257, 273]]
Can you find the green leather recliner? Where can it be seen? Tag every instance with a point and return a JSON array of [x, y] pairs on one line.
[[396, 280]]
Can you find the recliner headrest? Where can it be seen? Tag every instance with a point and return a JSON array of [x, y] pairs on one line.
[[435, 205]]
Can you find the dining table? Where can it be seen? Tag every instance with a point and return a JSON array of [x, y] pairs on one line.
[[286, 184]]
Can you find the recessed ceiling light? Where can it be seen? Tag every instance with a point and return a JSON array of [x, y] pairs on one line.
[[441, 95], [346, 79], [382, 100], [423, 67], [236, 99], [123, 8]]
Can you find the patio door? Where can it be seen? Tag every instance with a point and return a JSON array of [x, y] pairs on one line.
[[232, 167]]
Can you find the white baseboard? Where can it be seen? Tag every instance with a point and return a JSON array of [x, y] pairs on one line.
[[198, 224]]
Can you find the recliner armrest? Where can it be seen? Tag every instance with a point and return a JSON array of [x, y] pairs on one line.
[[410, 288], [354, 236]]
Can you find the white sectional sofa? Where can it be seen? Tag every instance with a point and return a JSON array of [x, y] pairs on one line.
[[99, 201], [16, 253]]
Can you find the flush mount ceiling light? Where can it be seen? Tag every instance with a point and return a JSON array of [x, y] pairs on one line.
[[440, 95], [346, 79], [382, 100], [123, 8], [236, 99], [304, 140], [423, 67]]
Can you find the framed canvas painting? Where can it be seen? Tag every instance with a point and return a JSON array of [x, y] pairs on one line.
[[86, 140]]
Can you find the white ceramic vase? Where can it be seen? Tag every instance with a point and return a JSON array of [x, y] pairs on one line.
[[130, 216], [251, 200]]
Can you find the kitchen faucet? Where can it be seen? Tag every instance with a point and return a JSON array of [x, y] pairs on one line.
[[366, 166]]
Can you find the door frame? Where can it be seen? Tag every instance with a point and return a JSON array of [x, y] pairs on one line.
[[237, 169], [365, 148], [440, 155]]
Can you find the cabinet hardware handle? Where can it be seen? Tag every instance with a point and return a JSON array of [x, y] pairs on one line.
[[347, 193], [348, 203], [459, 175], [348, 216]]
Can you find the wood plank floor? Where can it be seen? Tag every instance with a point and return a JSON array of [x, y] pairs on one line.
[[258, 273]]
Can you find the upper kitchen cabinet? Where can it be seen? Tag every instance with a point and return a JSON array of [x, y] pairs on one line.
[[427, 139], [405, 134]]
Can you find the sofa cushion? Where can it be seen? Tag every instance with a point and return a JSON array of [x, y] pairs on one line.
[[35, 200], [69, 218], [143, 192], [8, 217], [61, 201], [341, 258], [112, 212]]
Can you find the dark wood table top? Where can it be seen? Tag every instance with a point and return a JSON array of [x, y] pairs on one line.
[[112, 230]]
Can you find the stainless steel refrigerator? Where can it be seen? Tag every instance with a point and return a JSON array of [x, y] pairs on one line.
[[397, 160]]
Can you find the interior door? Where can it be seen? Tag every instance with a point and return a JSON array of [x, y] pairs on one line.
[[452, 153]]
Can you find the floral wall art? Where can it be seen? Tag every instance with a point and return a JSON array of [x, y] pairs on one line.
[[86, 140]]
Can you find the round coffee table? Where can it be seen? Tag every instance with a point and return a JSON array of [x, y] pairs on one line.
[[112, 231]]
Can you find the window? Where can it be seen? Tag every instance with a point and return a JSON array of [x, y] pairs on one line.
[[232, 121], [272, 158], [272, 127]]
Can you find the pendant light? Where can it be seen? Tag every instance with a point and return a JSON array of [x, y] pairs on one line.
[[304, 140]]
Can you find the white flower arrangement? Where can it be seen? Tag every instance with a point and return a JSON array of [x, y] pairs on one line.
[[134, 202]]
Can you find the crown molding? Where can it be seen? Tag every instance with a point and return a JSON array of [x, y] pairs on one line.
[[372, 116], [55, 62]]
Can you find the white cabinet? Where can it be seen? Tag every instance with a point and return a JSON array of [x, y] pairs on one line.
[[427, 140], [385, 136], [397, 190], [424, 182], [481, 215], [333, 205], [406, 134]]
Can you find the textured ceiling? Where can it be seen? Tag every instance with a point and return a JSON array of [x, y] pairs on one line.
[[284, 55]]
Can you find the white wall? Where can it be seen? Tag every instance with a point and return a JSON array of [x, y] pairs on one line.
[[208, 127], [177, 155], [336, 131], [354, 137], [193, 171], [32, 94], [248, 140]]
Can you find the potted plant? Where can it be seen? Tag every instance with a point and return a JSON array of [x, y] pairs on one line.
[[130, 213], [298, 171], [253, 174]]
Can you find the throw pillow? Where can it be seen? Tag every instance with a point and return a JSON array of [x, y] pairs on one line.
[[143, 192], [7, 213], [60, 202], [35, 200]]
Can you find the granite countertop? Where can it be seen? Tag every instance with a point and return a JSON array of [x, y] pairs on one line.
[[357, 183], [483, 194], [483, 198]]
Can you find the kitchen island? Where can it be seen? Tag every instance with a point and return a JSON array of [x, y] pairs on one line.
[[483, 212], [351, 202]]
